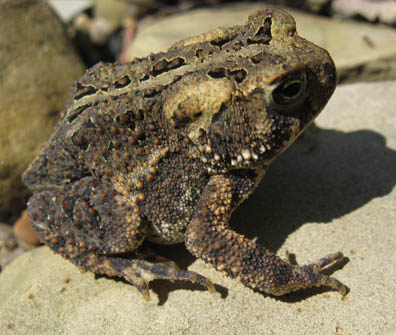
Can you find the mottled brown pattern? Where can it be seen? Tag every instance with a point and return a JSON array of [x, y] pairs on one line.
[[164, 148]]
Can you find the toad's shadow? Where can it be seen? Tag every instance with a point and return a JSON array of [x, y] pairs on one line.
[[343, 172]]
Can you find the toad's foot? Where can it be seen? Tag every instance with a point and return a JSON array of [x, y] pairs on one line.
[[140, 272], [309, 275]]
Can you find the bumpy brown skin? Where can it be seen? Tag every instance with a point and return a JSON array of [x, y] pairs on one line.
[[166, 147]]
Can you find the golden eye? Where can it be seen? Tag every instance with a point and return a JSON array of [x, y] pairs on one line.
[[289, 90]]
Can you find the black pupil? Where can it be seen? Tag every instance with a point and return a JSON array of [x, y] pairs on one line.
[[287, 93], [292, 90]]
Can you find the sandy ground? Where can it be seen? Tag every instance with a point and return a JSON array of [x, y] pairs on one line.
[[338, 196]]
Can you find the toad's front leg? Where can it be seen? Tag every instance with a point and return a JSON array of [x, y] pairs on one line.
[[209, 237]]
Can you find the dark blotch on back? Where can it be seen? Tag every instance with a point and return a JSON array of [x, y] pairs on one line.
[[217, 73], [123, 82], [76, 112], [238, 75], [164, 65], [219, 42], [83, 91]]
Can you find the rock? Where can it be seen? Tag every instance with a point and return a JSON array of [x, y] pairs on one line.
[[108, 15], [361, 51], [24, 230], [383, 11], [14, 241], [339, 196], [37, 68], [67, 9]]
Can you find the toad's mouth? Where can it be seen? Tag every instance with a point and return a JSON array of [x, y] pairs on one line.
[[251, 138]]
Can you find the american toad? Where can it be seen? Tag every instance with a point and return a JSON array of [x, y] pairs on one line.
[[164, 148]]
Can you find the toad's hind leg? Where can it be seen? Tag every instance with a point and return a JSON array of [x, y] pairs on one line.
[[95, 227]]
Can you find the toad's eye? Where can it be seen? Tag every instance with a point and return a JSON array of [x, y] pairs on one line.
[[289, 90]]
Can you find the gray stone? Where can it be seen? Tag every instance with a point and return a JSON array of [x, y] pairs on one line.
[[37, 68], [372, 10], [339, 196], [68, 9]]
